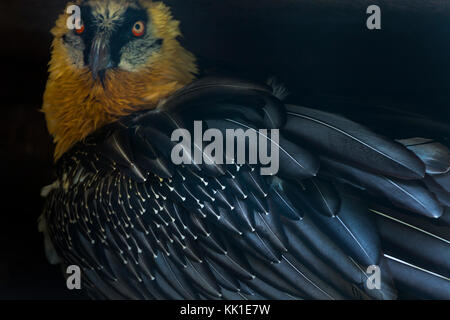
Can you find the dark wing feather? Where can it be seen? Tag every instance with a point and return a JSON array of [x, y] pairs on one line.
[[352, 142], [404, 193], [142, 227], [434, 155]]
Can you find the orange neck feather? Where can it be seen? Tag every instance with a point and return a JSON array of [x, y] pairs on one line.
[[75, 105]]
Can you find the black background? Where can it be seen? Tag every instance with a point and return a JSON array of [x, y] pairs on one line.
[[321, 50]]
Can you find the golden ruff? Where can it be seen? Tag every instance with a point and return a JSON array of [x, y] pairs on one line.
[[75, 105]]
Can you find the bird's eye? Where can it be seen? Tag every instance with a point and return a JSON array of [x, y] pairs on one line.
[[138, 28], [81, 29]]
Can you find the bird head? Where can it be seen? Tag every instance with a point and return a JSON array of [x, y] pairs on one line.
[[123, 57]]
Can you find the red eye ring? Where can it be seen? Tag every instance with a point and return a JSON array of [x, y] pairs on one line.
[[81, 30], [138, 28]]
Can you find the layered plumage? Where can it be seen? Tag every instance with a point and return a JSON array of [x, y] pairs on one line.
[[345, 198]]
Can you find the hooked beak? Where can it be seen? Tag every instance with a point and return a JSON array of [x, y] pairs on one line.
[[100, 56]]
